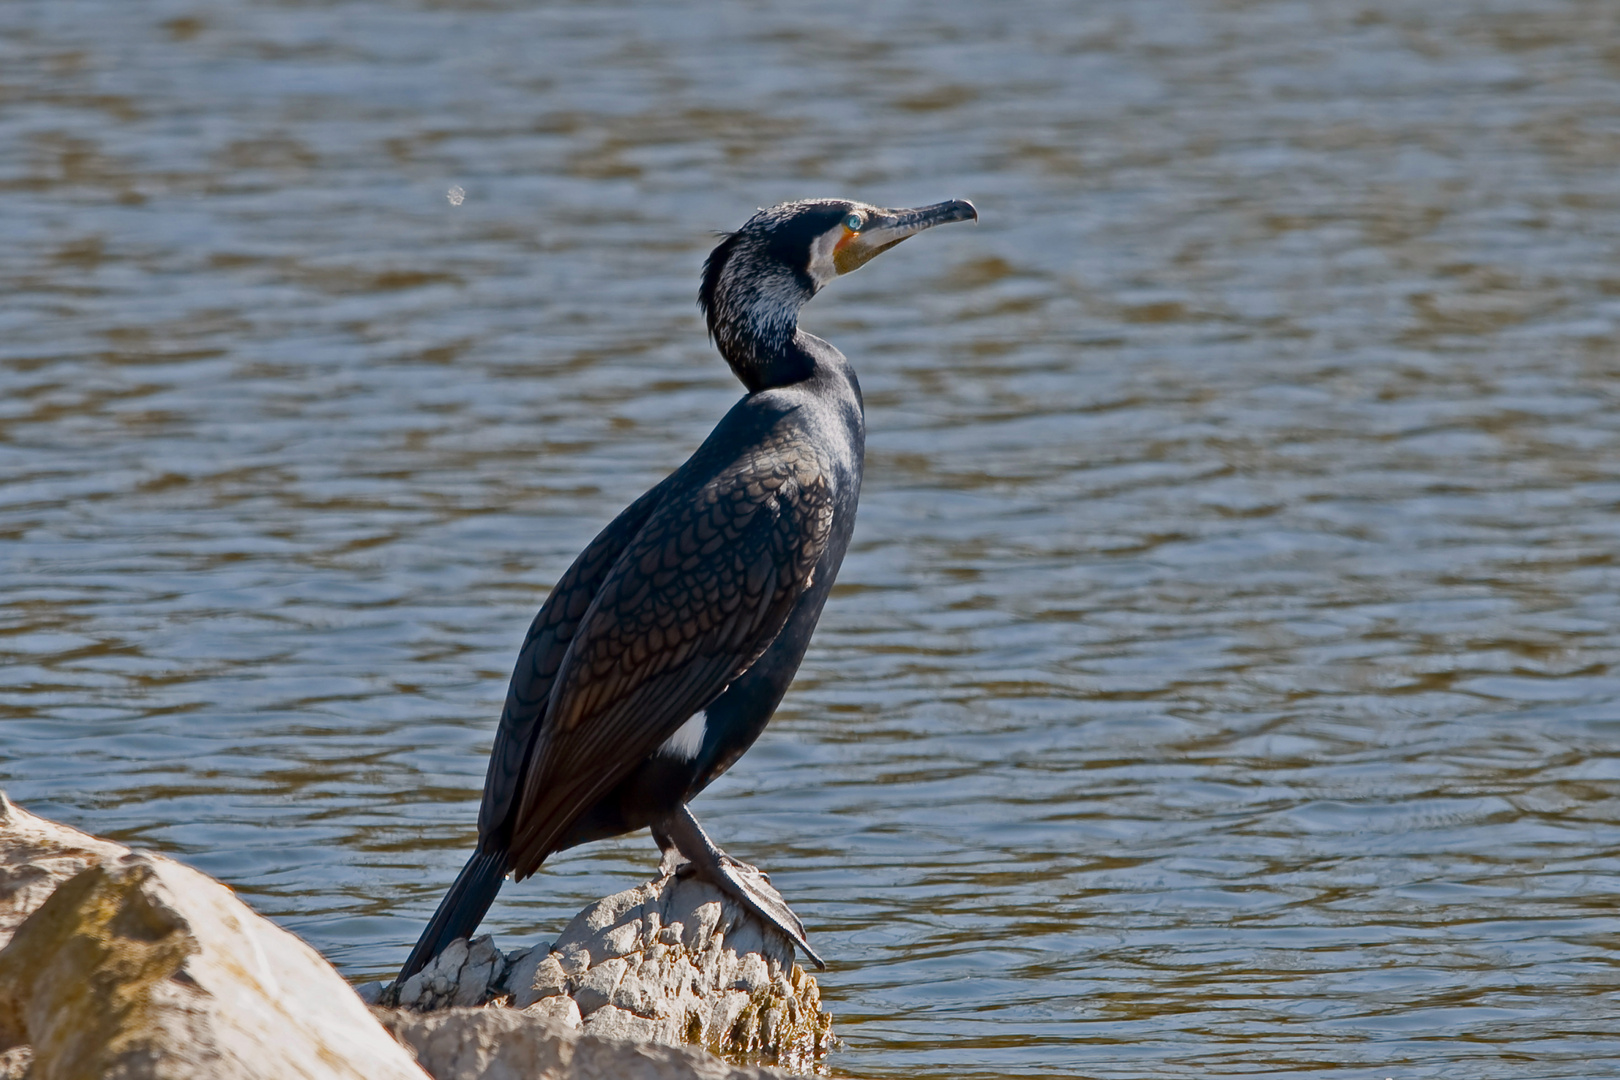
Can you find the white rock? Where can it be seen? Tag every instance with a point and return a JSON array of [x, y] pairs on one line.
[[16, 1063], [560, 1009], [189, 983], [596, 988], [465, 973], [633, 995], [505, 1044], [752, 973], [723, 1013], [534, 975], [673, 961], [483, 969], [35, 857], [413, 990], [612, 1022]]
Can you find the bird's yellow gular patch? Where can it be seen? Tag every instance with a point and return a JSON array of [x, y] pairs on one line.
[[855, 249]]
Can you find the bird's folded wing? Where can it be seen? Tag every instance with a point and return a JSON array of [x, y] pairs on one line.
[[542, 653], [692, 602]]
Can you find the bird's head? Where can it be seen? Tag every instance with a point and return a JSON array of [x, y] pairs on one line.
[[757, 279]]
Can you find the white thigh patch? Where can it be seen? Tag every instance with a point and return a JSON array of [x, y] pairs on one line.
[[688, 738]]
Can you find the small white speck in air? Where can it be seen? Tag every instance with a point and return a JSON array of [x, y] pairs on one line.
[[455, 195]]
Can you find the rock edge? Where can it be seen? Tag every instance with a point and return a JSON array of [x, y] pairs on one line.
[[131, 965], [672, 961]]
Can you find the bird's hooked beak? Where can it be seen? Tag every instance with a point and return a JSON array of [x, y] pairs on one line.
[[882, 229]]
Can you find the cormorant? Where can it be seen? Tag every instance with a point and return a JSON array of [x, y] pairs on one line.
[[663, 651]]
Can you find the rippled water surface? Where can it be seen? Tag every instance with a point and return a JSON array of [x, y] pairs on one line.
[[1222, 680]]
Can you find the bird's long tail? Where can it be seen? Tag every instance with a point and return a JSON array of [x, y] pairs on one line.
[[461, 910]]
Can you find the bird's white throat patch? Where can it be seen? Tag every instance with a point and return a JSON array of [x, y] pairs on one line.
[[688, 738], [821, 268]]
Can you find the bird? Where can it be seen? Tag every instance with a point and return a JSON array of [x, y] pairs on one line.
[[663, 650]]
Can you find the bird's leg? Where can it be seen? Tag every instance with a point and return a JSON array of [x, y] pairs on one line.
[[743, 883], [671, 855]]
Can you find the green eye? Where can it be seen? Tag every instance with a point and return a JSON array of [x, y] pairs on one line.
[[853, 223]]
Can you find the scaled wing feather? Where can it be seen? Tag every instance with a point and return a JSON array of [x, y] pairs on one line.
[[690, 604], [542, 653]]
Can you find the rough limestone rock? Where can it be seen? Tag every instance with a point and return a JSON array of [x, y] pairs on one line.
[[505, 1044], [466, 973], [35, 857], [140, 967], [131, 966], [15, 1063], [673, 961]]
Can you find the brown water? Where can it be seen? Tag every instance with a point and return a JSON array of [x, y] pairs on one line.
[[1222, 681]]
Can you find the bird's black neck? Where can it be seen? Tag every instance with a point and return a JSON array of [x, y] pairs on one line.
[[762, 362], [751, 302]]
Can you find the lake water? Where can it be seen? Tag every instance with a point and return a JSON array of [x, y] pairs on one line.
[[1223, 677]]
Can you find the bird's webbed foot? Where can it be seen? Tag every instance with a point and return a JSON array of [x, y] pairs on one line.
[[748, 885]]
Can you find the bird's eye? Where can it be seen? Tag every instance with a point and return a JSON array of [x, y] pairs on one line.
[[853, 223]]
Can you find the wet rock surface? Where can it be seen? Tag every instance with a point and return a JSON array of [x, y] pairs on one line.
[[673, 961]]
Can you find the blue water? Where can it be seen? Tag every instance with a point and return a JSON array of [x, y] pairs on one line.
[[1222, 680]]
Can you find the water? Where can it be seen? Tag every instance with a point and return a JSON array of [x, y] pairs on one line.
[[1222, 680]]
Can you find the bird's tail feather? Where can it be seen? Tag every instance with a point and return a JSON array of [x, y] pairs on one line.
[[461, 910]]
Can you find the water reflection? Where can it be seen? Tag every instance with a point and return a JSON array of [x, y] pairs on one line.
[[1222, 679]]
